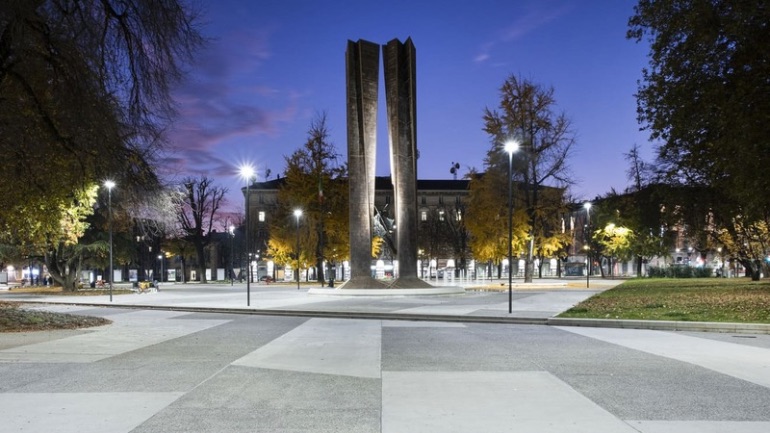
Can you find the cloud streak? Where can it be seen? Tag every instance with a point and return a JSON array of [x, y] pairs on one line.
[[536, 16], [214, 108]]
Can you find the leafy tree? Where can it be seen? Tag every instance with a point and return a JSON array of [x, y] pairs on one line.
[[614, 242], [706, 94], [63, 253], [710, 220], [199, 201], [84, 96], [526, 115], [316, 183], [647, 213], [487, 217]]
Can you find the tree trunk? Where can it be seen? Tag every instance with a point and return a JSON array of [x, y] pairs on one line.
[[201, 265], [529, 269], [184, 270], [64, 272], [752, 268], [639, 261]]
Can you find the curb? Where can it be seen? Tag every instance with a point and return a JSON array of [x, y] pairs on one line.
[[656, 325], [665, 325]]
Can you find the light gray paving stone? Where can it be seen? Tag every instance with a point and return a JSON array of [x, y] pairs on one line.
[[97, 412], [743, 362], [490, 402], [329, 346], [700, 426], [129, 332]]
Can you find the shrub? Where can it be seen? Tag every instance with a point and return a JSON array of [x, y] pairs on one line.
[[679, 271]]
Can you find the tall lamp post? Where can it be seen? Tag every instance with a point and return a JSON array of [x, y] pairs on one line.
[[510, 147], [587, 205], [232, 255], [109, 185], [247, 172], [160, 258], [297, 214]]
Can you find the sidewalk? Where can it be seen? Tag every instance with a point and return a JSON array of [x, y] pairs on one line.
[[292, 362], [486, 302]]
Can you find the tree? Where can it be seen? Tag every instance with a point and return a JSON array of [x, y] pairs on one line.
[[198, 201], [639, 171], [487, 216], [614, 242], [526, 115], [706, 94], [84, 96], [316, 183], [63, 253]]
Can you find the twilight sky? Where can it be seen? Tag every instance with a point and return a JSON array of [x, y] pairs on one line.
[[273, 65]]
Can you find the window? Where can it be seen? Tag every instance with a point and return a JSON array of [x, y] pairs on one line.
[[261, 216], [423, 215], [441, 215]]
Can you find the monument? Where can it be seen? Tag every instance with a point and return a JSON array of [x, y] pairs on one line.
[[362, 66], [362, 60]]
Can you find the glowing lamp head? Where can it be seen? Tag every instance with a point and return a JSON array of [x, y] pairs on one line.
[[511, 146]]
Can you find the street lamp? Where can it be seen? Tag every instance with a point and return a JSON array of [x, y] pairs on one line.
[[160, 258], [109, 185], [247, 172], [232, 254], [297, 214], [510, 147], [587, 206]]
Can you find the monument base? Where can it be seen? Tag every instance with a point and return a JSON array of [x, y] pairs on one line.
[[363, 283], [433, 291], [410, 283]]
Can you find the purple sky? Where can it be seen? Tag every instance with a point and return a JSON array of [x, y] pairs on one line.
[[273, 65]]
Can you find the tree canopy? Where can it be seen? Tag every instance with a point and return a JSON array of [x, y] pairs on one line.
[[526, 115], [84, 96], [198, 201], [316, 183], [706, 95]]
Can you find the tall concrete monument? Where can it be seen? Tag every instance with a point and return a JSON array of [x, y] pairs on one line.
[[362, 65], [362, 61]]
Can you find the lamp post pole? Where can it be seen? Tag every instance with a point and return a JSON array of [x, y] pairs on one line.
[[297, 214], [160, 258], [109, 184], [588, 243], [247, 172], [232, 255], [510, 147]]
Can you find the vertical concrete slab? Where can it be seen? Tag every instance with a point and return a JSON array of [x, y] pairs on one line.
[[362, 61], [399, 61]]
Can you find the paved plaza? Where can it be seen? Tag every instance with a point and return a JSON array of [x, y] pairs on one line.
[[194, 363]]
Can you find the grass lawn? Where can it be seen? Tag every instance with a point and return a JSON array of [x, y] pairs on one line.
[[57, 290], [688, 299], [15, 318]]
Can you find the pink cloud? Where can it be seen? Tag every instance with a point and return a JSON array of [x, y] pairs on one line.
[[221, 100]]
